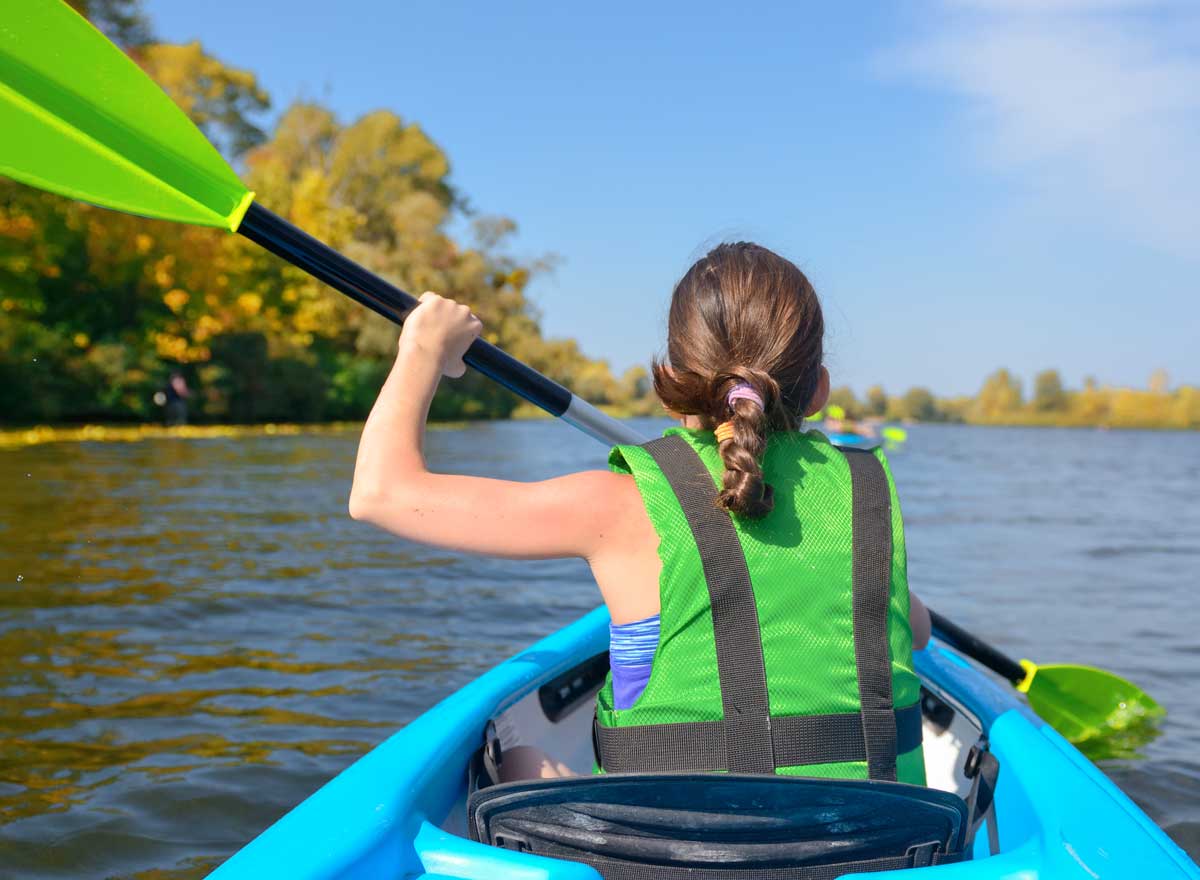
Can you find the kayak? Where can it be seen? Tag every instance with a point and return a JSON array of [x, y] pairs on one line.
[[401, 811], [840, 439]]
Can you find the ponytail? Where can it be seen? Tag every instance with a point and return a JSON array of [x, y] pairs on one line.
[[741, 442]]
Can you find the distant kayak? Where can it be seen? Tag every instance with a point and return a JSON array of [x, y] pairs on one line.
[[419, 805], [852, 440]]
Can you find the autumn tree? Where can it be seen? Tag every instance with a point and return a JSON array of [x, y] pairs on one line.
[[876, 401], [1048, 393], [919, 404], [1000, 394]]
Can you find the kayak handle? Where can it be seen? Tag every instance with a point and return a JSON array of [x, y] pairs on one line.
[[977, 649]]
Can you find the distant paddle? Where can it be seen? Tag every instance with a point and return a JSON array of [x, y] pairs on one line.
[[1102, 713], [82, 120]]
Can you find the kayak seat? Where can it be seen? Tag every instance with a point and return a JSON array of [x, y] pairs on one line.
[[714, 826]]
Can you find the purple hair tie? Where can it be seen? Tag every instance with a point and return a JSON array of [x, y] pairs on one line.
[[743, 391]]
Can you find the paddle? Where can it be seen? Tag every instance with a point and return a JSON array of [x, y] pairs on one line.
[[1080, 702], [80, 119]]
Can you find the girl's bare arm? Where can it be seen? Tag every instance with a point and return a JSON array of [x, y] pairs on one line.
[[567, 516]]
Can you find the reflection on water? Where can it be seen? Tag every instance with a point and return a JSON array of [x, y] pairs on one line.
[[194, 636]]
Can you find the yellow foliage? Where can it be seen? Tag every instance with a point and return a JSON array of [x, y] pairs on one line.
[[170, 347], [206, 327], [162, 273], [176, 299], [250, 303]]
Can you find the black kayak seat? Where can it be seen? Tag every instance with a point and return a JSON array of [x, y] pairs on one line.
[[713, 826]]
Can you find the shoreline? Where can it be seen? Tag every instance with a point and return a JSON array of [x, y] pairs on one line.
[[37, 435]]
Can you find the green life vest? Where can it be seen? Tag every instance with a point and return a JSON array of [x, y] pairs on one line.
[[806, 667]]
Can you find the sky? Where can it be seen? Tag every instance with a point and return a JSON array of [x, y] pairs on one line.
[[969, 184]]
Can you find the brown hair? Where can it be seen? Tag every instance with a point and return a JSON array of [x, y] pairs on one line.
[[742, 313]]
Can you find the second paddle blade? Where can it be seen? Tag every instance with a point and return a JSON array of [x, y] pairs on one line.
[[1103, 714], [79, 118]]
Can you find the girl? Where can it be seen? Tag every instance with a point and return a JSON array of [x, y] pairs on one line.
[[761, 619]]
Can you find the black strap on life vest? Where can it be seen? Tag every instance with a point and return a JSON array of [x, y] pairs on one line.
[[748, 739], [872, 514], [747, 714]]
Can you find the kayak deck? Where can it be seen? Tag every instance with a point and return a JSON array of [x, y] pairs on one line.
[[400, 811]]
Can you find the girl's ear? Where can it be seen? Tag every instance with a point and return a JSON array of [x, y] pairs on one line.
[[820, 396]]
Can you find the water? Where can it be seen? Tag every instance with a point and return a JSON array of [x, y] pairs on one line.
[[194, 636]]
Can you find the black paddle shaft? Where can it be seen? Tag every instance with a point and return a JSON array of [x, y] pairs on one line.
[[281, 238], [977, 649]]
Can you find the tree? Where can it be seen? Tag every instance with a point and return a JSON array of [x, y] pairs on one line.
[[844, 397], [877, 401], [1000, 395], [122, 21], [919, 405], [1048, 394], [220, 99]]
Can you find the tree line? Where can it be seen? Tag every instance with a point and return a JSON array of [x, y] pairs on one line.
[[97, 308], [1002, 401]]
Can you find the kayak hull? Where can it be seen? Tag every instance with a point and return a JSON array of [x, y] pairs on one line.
[[838, 439], [400, 810]]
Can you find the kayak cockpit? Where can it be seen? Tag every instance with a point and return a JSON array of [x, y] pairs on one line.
[[708, 825]]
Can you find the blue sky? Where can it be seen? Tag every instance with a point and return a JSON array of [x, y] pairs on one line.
[[968, 183]]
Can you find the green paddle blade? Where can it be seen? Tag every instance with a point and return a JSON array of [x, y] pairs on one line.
[[835, 411], [1101, 713], [79, 118], [896, 435]]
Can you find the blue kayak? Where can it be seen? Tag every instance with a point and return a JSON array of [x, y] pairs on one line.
[[401, 810], [843, 439]]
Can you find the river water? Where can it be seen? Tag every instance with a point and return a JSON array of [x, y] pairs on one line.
[[194, 636]]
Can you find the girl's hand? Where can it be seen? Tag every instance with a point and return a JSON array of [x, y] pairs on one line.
[[443, 329]]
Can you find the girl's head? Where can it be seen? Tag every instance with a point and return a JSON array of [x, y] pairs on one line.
[[743, 313]]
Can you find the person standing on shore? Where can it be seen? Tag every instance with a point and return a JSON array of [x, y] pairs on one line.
[[173, 399]]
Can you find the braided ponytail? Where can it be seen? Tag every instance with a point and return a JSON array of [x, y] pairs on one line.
[[741, 442], [742, 318]]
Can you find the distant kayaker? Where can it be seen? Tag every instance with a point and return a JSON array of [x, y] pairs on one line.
[[755, 574]]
